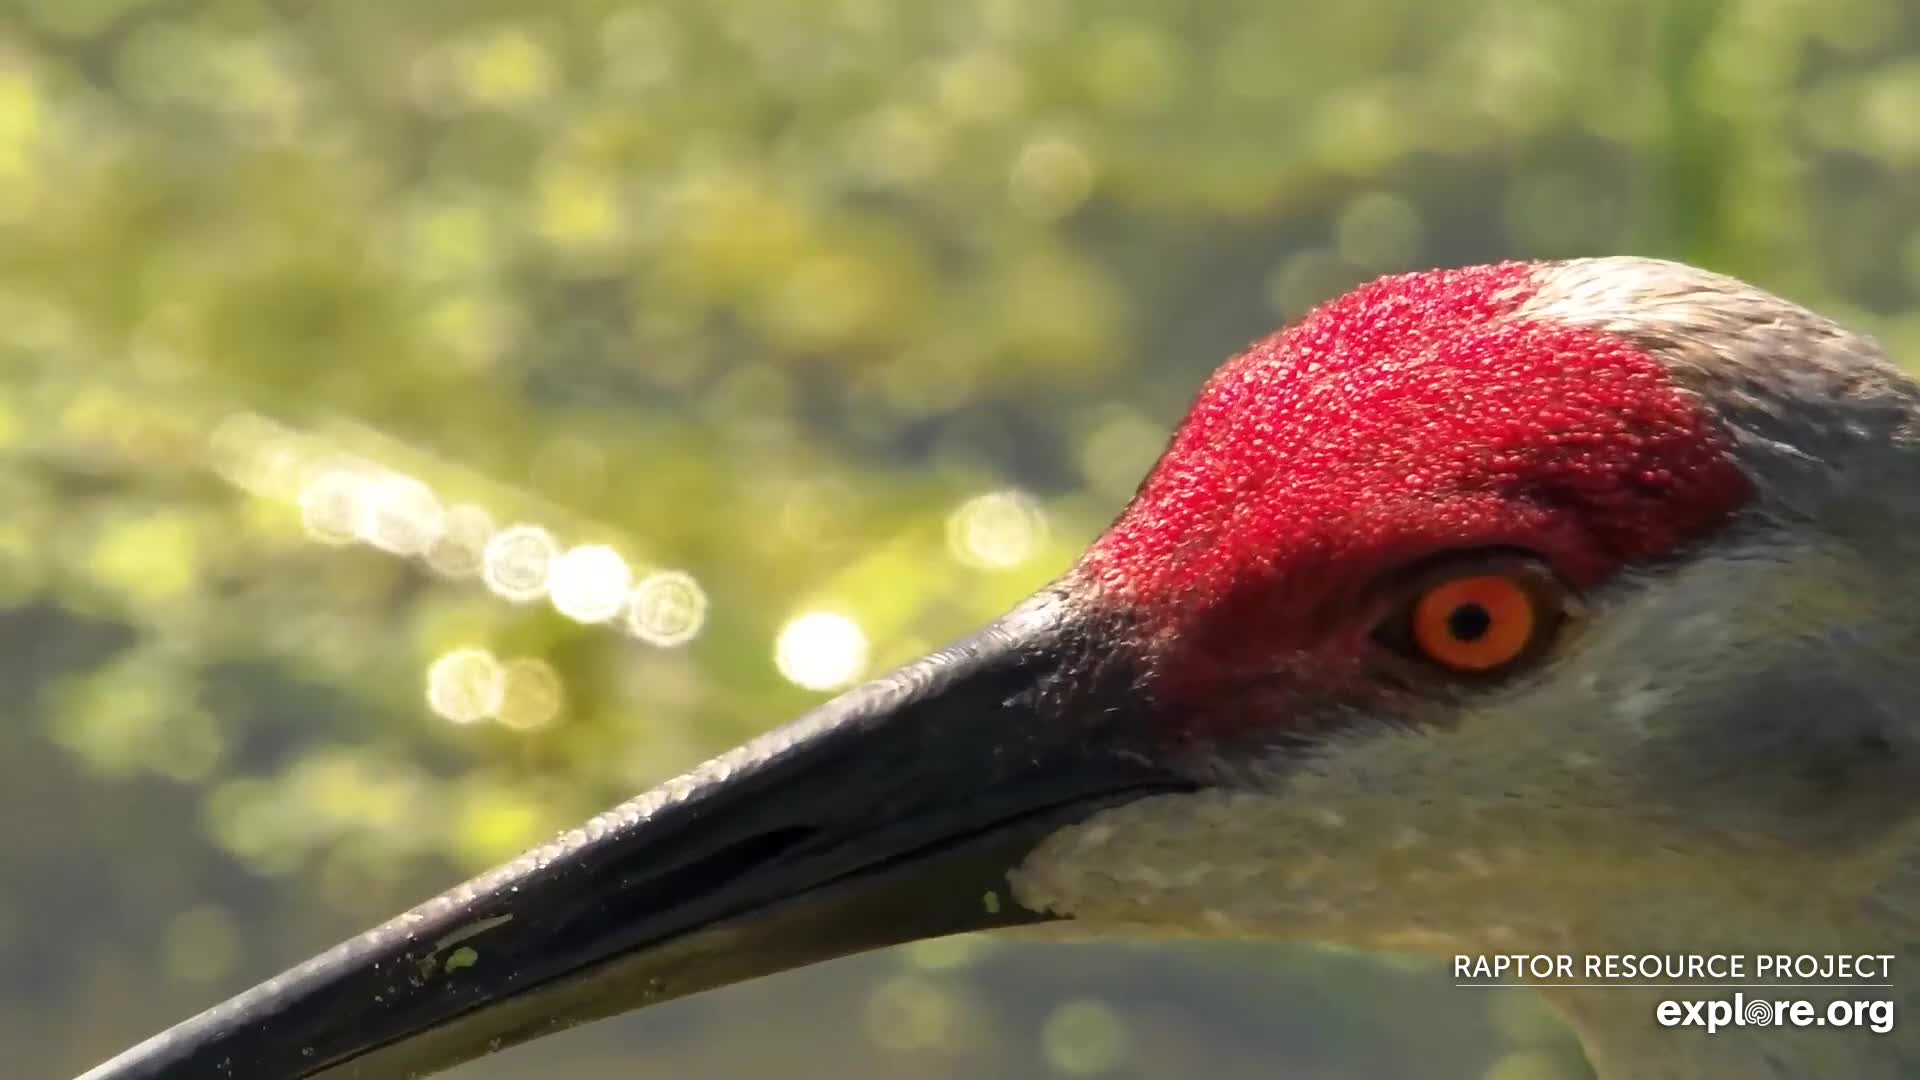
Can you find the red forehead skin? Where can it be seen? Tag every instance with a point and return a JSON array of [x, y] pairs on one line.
[[1406, 419]]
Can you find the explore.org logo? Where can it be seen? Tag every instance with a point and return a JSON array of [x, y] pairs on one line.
[[1822, 990], [1743, 1011]]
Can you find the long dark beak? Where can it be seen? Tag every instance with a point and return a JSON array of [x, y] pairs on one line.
[[891, 814]]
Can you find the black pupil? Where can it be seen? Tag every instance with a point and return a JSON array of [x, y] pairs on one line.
[[1469, 622]]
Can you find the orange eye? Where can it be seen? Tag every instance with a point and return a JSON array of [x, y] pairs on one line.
[[1476, 623]]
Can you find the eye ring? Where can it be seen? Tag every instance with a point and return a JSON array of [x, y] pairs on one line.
[[1478, 618]]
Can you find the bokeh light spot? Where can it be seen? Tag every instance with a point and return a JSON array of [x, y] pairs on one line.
[[1119, 451], [1531, 1064], [22, 112], [401, 515], [462, 543], [996, 531], [1133, 66], [154, 558], [980, 87], [1051, 178], [589, 583], [1379, 231], [951, 953], [331, 506], [465, 686], [1084, 1038], [640, 48], [493, 823], [577, 209], [897, 146], [504, 68], [531, 694], [821, 650], [242, 448], [516, 563], [667, 609], [909, 1013]]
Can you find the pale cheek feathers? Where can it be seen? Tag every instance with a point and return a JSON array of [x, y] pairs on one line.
[[1214, 859], [1405, 843], [1246, 864], [1544, 817]]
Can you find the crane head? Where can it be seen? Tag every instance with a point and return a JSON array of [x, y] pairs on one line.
[[1521, 607]]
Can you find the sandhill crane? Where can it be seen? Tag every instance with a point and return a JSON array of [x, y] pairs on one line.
[[1554, 607]]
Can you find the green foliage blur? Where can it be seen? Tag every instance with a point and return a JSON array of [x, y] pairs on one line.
[[765, 291]]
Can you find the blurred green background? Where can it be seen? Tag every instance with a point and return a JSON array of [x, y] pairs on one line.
[[842, 323]]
